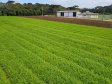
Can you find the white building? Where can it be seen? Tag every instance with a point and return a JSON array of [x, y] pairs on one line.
[[77, 13], [68, 13], [88, 14]]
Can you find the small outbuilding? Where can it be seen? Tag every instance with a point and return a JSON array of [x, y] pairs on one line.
[[88, 14], [68, 13], [77, 13]]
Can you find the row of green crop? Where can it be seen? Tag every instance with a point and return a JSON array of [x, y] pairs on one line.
[[22, 34], [17, 72], [69, 67], [33, 27], [3, 77], [96, 45], [46, 53], [79, 29], [55, 47], [34, 63]]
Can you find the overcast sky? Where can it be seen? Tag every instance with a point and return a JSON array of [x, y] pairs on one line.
[[68, 3]]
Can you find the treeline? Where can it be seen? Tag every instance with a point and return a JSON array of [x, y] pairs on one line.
[[100, 9], [29, 9], [97, 9]]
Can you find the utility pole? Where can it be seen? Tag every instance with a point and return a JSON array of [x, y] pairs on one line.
[[42, 11], [98, 10], [103, 13]]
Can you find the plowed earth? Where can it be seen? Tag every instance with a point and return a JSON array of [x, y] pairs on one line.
[[98, 23]]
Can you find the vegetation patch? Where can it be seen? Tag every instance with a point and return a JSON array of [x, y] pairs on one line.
[[34, 51]]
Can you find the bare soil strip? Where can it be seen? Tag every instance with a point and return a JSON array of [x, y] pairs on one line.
[[97, 23]]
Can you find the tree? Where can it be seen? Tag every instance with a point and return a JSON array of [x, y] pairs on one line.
[[73, 7], [76, 6], [28, 9], [2, 7], [10, 2]]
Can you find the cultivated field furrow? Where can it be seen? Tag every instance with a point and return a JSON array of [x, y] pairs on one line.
[[16, 67], [37, 64], [38, 43], [84, 30], [69, 59], [75, 68], [59, 46], [69, 28], [82, 62], [91, 47], [3, 77], [67, 34], [54, 43], [45, 52], [96, 31]]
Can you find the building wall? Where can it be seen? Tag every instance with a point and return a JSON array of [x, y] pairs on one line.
[[87, 16], [58, 14], [70, 14], [66, 14], [77, 14], [94, 16]]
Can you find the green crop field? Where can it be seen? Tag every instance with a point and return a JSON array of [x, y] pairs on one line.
[[36, 51]]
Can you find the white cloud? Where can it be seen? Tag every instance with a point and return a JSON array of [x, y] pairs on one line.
[[80, 3], [7, 0], [16, 1], [68, 3]]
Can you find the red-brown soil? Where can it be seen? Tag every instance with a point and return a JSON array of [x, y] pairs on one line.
[[98, 23]]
